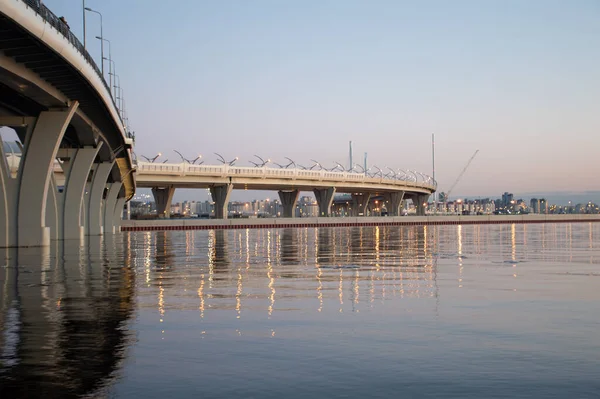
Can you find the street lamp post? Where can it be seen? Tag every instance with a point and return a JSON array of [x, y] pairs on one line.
[[223, 161], [117, 85], [362, 170], [101, 41], [114, 69], [151, 160], [122, 97], [261, 163], [110, 61], [338, 165], [316, 163], [393, 172], [83, 24], [192, 162]]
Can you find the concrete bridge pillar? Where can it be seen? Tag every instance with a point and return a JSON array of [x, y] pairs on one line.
[[7, 203], [220, 196], [360, 203], [41, 146], [288, 201], [324, 200], [393, 203], [110, 203], [95, 198], [119, 208], [419, 200], [53, 211], [162, 198], [80, 165]]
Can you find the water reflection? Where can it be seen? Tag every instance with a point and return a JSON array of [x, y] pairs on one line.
[[63, 319], [67, 317], [339, 269]]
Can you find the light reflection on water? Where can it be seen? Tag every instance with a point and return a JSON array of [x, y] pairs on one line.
[[460, 311]]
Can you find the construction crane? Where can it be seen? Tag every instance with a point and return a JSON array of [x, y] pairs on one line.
[[459, 176]]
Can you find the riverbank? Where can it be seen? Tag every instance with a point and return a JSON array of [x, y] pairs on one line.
[[219, 224]]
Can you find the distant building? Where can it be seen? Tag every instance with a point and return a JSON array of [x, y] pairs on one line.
[[307, 207], [543, 206], [534, 205], [507, 199]]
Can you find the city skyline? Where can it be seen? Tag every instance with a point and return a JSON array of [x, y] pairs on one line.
[[515, 80]]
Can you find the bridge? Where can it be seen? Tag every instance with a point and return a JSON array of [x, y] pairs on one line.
[[164, 178], [53, 95], [71, 171]]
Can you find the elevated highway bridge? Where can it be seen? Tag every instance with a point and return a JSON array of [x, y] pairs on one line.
[[164, 178], [54, 97]]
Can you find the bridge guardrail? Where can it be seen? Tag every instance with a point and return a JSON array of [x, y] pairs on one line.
[[184, 169]]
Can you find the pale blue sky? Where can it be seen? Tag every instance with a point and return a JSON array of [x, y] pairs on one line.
[[519, 80]]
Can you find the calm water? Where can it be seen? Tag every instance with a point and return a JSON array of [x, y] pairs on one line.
[[455, 311]]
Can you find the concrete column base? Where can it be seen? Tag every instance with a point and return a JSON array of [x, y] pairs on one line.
[[220, 196], [360, 203], [81, 160], [393, 203], [97, 187], [324, 200], [109, 207], [163, 196], [420, 200], [288, 201]]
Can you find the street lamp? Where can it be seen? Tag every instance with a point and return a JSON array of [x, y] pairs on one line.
[[261, 163], [315, 165], [379, 171], [392, 171], [193, 161], [112, 77], [102, 39], [338, 166], [362, 170], [223, 161], [83, 24], [404, 176], [414, 174], [151, 160], [101, 36], [286, 166], [115, 87], [291, 162]]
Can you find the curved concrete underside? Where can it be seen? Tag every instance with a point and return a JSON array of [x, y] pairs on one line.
[[54, 97], [41, 70]]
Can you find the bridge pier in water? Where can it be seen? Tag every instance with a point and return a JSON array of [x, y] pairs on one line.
[[324, 198], [220, 195], [110, 223], [35, 207], [393, 203], [42, 140], [77, 164], [288, 201], [95, 200], [163, 196], [419, 200], [360, 203]]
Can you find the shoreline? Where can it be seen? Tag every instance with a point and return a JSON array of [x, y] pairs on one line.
[[227, 224]]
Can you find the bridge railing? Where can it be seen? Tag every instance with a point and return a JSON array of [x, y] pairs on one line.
[[63, 29], [186, 169]]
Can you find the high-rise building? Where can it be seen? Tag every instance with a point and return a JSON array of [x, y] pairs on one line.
[[507, 199], [534, 205]]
